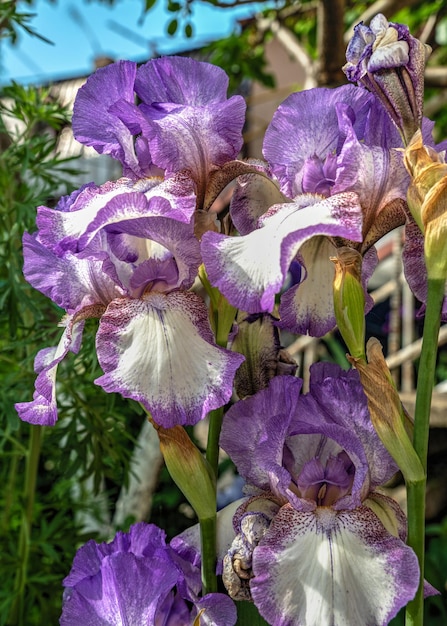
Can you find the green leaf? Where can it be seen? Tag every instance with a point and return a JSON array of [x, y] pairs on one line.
[[149, 4], [172, 27], [188, 30]]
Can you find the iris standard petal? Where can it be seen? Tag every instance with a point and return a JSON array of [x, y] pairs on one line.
[[160, 351], [93, 123], [328, 568], [305, 126]]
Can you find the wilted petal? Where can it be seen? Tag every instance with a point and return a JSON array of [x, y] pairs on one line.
[[160, 351], [250, 270], [328, 568], [43, 409]]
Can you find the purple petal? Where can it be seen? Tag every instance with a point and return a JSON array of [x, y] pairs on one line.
[[218, 610], [265, 421], [69, 281], [113, 202], [43, 409], [190, 122], [328, 567], [414, 266], [305, 126], [94, 125], [250, 270], [160, 351], [127, 590]]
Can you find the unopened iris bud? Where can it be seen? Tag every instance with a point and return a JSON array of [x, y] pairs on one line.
[[222, 313], [349, 300], [386, 410], [427, 200], [257, 338], [390, 63], [189, 470]]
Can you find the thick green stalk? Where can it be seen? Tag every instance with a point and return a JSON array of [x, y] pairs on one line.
[[209, 554], [17, 614], [416, 491]]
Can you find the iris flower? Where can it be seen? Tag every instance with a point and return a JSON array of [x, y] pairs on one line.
[[340, 178], [126, 251], [318, 544], [183, 120], [138, 579]]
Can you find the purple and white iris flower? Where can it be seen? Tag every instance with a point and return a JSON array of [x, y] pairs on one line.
[[183, 121], [333, 154], [126, 251], [127, 261], [318, 544], [139, 580]]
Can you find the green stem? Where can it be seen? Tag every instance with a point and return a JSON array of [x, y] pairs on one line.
[[17, 613], [212, 448], [416, 491], [209, 551]]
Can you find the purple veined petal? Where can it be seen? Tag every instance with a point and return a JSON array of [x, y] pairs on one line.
[[415, 269], [265, 420], [341, 395], [196, 139], [252, 197], [127, 590], [305, 126], [69, 281], [250, 270], [173, 199], [218, 610], [377, 174], [95, 125], [160, 351], [325, 568], [113, 202], [181, 80], [42, 409]]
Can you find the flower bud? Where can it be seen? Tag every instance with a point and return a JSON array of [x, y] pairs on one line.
[[349, 300], [427, 200], [189, 470], [386, 410], [390, 63]]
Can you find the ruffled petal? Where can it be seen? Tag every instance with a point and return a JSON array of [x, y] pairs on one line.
[[93, 123], [265, 421], [43, 409], [305, 126], [70, 282], [127, 590], [95, 208], [250, 270], [160, 351], [325, 568]]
